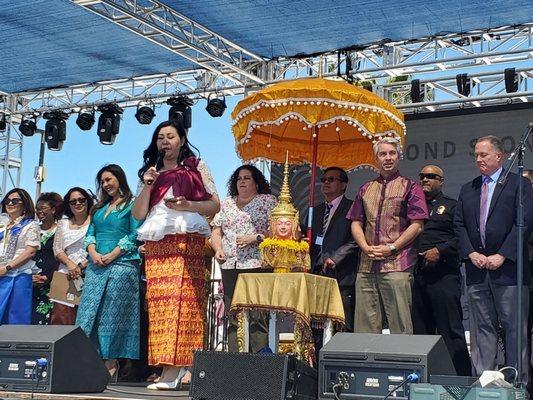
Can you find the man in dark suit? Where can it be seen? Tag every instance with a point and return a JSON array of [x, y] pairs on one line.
[[485, 223], [333, 250]]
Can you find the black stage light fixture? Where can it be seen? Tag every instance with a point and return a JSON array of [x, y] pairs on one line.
[[85, 119], [28, 126], [55, 130], [511, 80], [109, 122], [216, 105], [145, 114], [463, 84], [181, 105], [416, 95], [3, 124]]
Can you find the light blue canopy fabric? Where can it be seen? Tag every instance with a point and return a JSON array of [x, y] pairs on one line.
[[50, 43]]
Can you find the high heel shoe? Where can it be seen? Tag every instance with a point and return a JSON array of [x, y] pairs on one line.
[[169, 385], [113, 369]]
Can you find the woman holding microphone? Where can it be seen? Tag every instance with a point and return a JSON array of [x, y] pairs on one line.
[[178, 193]]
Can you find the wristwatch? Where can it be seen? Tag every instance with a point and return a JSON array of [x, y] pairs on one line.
[[8, 267], [393, 249], [259, 239]]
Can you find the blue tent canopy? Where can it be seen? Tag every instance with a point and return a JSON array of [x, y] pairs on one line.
[[51, 43], [276, 28]]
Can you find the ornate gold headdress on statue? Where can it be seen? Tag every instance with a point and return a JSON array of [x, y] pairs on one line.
[[285, 209], [285, 254]]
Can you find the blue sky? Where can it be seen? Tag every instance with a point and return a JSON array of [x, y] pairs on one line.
[[83, 155]]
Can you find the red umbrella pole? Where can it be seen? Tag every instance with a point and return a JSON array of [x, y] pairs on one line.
[[312, 189]]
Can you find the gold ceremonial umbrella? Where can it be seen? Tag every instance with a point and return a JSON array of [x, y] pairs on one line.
[[345, 120], [320, 121]]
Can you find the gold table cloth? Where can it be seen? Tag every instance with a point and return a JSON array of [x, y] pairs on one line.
[[312, 299]]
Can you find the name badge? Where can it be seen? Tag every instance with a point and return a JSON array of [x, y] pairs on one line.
[[319, 240]]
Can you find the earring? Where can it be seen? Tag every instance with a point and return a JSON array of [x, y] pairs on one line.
[[120, 192]]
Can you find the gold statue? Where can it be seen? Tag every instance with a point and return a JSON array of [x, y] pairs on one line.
[[283, 252]]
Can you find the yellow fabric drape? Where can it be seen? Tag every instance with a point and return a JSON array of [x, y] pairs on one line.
[[310, 298]]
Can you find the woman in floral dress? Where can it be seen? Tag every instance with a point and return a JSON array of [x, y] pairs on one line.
[[238, 229]]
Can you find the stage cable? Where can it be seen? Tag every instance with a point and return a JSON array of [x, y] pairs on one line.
[[413, 377]]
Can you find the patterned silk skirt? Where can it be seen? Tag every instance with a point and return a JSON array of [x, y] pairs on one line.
[[109, 310], [176, 297]]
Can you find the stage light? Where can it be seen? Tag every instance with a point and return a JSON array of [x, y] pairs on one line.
[[28, 126], [55, 130], [85, 119], [511, 80], [463, 84], [416, 96], [145, 114], [216, 105], [109, 122], [181, 105], [3, 124]]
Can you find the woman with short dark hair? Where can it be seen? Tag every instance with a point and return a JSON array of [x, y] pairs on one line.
[[19, 241], [109, 305], [48, 211]]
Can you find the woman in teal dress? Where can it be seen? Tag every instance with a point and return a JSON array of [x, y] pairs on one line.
[[109, 305]]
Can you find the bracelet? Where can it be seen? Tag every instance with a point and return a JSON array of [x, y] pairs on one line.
[[80, 265]]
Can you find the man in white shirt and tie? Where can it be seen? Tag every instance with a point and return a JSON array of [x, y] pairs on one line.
[[485, 223]]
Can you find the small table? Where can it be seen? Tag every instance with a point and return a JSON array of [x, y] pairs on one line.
[[311, 299]]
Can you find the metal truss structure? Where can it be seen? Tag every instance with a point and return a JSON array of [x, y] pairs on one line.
[[417, 76], [10, 151]]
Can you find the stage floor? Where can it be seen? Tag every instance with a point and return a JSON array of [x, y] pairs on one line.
[[113, 392]]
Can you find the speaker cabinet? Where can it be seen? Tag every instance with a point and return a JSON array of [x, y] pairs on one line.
[[245, 376], [369, 365], [72, 362]]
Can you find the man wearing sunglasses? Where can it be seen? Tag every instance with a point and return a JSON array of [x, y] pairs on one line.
[[437, 284], [387, 215], [333, 250]]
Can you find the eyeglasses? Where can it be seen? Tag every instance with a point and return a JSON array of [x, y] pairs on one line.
[[429, 176], [43, 209], [329, 179], [81, 200], [12, 202]]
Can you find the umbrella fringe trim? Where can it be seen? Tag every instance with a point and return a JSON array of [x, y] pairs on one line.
[[339, 104], [294, 115]]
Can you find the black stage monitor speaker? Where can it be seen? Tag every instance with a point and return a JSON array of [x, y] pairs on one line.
[[369, 365], [245, 376], [68, 361]]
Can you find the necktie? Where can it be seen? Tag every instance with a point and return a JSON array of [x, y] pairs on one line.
[[484, 207], [327, 210], [319, 259]]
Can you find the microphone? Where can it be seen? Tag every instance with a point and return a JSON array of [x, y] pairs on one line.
[[159, 159]]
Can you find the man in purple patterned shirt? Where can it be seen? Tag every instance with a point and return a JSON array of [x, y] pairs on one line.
[[387, 215]]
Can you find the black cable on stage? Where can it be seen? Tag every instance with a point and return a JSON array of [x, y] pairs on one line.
[[342, 380], [413, 377]]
